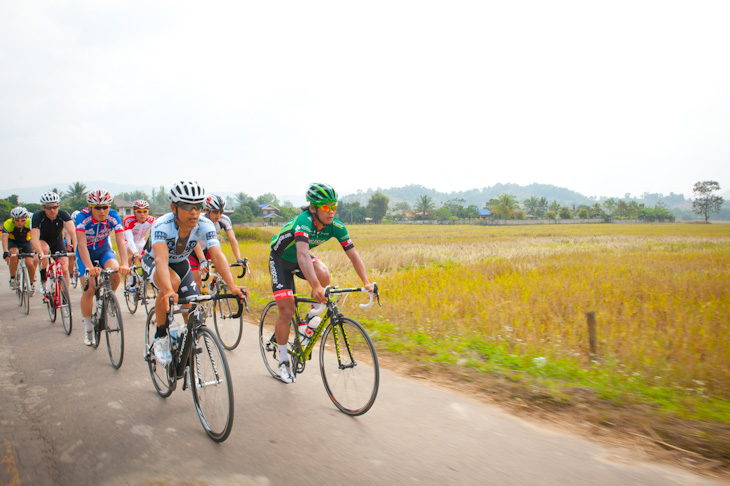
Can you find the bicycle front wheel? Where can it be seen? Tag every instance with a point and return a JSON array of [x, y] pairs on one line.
[[64, 306], [114, 330], [267, 338], [229, 330], [210, 380], [50, 299], [349, 366], [26, 291], [158, 372], [149, 294], [19, 284], [131, 297]]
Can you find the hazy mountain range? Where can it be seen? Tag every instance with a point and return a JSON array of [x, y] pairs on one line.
[[410, 194]]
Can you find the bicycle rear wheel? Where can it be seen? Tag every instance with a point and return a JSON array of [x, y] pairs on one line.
[[229, 330], [65, 306], [26, 291], [132, 298], [114, 330], [74, 277], [267, 338], [50, 299], [349, 366], [211, 385], [158, 372]]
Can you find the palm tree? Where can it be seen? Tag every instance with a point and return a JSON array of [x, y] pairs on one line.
[[75, 190], [504, 207], [424, 205], [532, 205]]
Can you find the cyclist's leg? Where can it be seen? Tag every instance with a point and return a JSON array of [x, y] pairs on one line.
[[323, 273], [87, 300], [13, 263], [59, 247], [109, 261], [44, 263]]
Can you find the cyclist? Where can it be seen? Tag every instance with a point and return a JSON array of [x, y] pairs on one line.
[[136, 228], [290, 256], [16, 238], [94, 226], [46, 233], [173, 237], [214, 206]]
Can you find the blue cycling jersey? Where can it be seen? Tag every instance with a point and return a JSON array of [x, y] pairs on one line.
[[97, 232], [165, 230]]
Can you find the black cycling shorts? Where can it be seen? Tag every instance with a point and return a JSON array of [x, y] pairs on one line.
[[22, 246], [187, 286], [282, 276]]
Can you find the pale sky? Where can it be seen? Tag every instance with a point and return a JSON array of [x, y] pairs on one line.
[[604, 98]]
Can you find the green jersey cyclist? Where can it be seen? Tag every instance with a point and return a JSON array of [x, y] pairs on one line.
[[290, 256]]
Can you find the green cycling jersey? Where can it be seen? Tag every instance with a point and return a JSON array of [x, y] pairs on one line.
[[302, 228]]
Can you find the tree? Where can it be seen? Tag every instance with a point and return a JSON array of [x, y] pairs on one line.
[[565, 213], [424, 206], [504, 207], [610, 206], [531, 205], [13, 199], [268, 198], [402, 206], [705, 202], [378, 206], [134, 196], [351, 212]]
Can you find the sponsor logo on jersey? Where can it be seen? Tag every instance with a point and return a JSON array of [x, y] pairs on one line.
[[160, 235], [210, 235]]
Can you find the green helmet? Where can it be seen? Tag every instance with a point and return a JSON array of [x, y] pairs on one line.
[[320, 193]]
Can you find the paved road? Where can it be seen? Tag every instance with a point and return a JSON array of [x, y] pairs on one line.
[[68, 418]]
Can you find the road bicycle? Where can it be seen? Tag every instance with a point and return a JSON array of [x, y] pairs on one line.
[[74, 276], [347, 359], [134, 288], [22, 281], [228, 322], [199, 360], [57, 297], [107, 317]]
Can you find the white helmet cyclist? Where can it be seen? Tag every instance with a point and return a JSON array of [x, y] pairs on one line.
[[50, 198], [214, 203], [187, 192], [19, 213], [98, 198]]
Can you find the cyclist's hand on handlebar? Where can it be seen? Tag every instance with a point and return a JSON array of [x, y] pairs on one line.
[[165, 296], [318, 295], [6, 256], [239, 292], [94, 271], [369, 287], [123, 270]]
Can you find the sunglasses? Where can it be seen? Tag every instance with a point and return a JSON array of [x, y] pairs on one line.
[[51, 208], [142, 211], [190, 207], [101, 208], [328, 207]]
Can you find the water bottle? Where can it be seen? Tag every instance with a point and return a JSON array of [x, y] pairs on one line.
[[312, 326], [302, 330], [175, 330]]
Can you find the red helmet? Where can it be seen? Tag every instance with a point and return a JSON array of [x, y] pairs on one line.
[[98, 197], [140, 204]]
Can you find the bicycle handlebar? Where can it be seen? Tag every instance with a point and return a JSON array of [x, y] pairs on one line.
[[202, 298], [375, 293], [244, 268], [59, 254], [104, 271]]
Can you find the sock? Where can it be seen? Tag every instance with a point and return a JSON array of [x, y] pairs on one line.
[[161, 331], [283, 353], [88, 326]]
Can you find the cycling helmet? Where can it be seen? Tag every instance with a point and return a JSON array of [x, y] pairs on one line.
[[214, 203], [320, 193], [140, 204], [187, 192], [50, 198], [98, 197], [19, 212]]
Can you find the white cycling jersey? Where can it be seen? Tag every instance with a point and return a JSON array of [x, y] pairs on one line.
[[224, 223], [136, 233], [166, 230]]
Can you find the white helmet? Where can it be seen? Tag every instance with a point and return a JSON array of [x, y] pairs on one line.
[[187, 192], [50, 198], [19, 212]]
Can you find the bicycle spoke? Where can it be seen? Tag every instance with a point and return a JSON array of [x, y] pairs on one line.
[[65, 306], [114, 331]]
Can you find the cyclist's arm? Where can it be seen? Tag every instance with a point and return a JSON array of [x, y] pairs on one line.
[[35, 240], [83, 251], [71, 230], [6, 238], [129, 235], [359, 267], [221, 266], [307, 267], [234, 244], [122, 247], [201, 258]]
